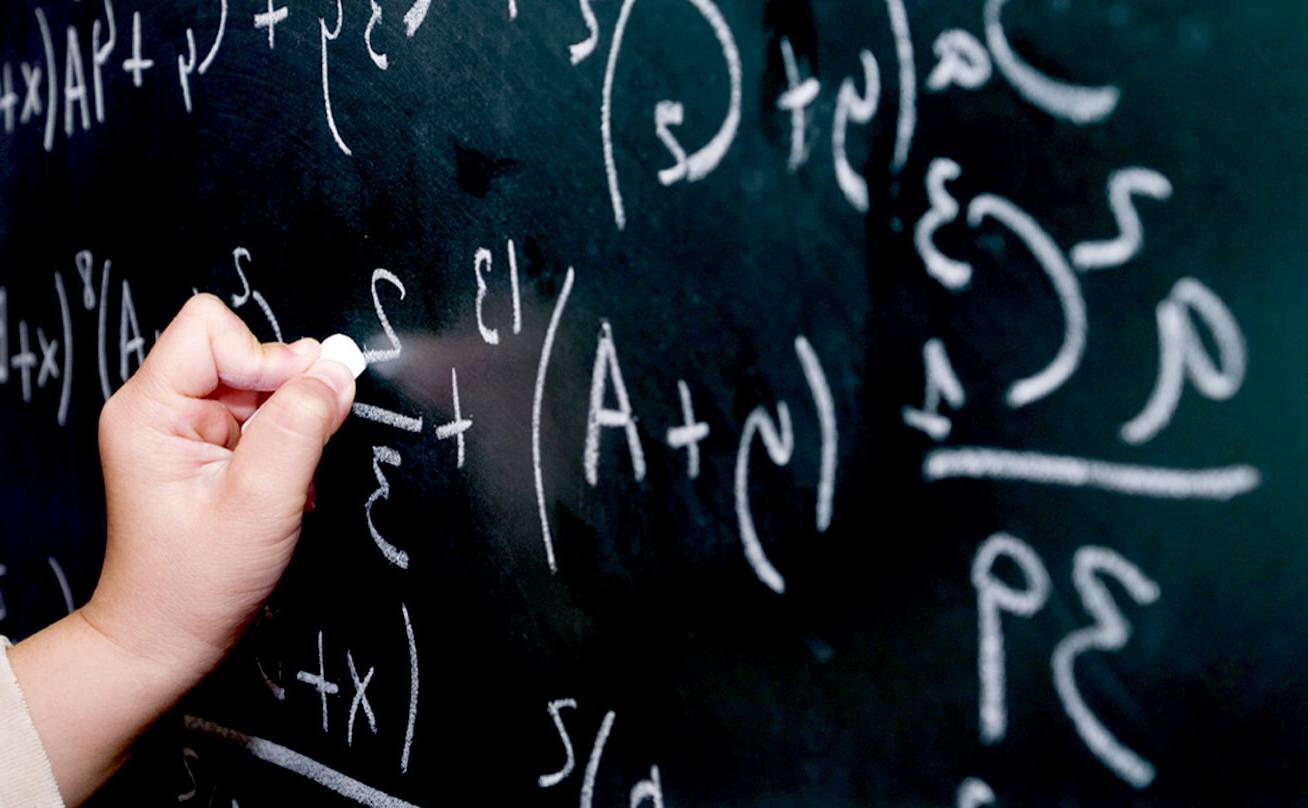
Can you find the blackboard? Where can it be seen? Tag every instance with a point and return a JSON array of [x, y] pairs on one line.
[[895, 403]]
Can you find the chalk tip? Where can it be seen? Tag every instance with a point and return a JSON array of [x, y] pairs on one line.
[[340, 348]]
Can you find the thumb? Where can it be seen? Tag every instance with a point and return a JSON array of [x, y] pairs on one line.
[[274, 462]]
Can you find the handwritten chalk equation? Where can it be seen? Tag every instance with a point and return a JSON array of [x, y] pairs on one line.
[[338, 681], [330, 685], [64, 85], [1185, 316], [1200, 352], [40, 356], [1110, 632], [648, 791]]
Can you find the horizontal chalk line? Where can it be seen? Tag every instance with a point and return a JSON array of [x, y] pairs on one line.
[[294, 762], [1221, 483], [370, 413]]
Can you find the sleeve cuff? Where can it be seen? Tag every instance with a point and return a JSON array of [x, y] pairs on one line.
[[26, 779]]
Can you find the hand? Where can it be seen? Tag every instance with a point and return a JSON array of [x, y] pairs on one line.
[[202, 522]]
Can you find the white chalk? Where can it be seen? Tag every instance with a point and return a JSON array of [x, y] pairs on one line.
[[340, 348]]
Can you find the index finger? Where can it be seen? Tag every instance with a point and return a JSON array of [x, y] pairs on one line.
[[207, 345]]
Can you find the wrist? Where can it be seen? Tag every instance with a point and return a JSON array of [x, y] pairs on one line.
[[146, 641], [90, 698]]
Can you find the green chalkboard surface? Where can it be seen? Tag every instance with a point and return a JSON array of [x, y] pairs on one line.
[[769, 403]]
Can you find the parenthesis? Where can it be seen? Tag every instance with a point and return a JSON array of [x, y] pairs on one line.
[[67, 386], [103, 324]]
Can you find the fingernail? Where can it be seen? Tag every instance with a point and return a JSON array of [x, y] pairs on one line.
[[335, 375], [307, 348], [311, 497]]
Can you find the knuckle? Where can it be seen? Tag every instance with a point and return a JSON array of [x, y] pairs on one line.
[[111, 416], [205, 303], [210, 312], [122, 418]]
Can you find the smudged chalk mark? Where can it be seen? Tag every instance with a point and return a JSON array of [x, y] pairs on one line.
[[476, 171]]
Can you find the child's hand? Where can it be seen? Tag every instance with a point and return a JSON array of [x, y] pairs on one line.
[[203, 520], [202, 523]]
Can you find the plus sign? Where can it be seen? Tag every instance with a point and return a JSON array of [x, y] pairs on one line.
[[8, 98], [269, 19], [798, 95], [690, 434], [456, 428], [318, 681], [136, 65], [24, 360]]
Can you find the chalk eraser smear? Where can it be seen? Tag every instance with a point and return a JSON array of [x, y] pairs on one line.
[[340, 348]]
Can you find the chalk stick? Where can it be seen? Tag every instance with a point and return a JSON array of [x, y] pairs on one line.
[[338, 348]]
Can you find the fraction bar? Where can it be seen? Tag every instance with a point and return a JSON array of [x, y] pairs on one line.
[[294, 762], [370, 413], [977, 463]]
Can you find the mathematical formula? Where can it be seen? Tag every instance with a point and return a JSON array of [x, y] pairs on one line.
[[1200, 349]]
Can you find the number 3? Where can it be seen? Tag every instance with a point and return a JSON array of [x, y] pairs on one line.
[[1109, 633], [387, 455]]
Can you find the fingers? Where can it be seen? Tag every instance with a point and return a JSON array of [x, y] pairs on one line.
[[275, 460], [212, 422], [207, 345], [240, 403]]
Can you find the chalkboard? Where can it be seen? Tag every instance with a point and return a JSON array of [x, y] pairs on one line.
[[892, 403]]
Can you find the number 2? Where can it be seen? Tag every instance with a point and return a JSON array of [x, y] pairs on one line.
[[393, 352]]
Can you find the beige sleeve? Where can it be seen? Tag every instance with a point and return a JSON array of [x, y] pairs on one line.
[[26, 780]]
